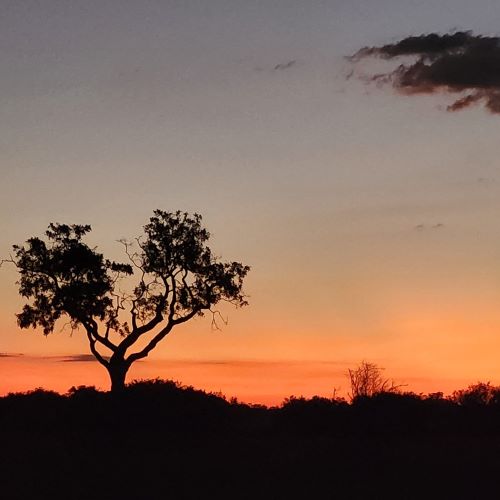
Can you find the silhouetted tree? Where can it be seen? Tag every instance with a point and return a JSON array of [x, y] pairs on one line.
[[178, 279], [367, 380]]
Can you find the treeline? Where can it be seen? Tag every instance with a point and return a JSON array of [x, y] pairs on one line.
[[159, 440], [161, 404]]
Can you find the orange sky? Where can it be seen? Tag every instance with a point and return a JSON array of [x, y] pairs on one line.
[[441, 350], [433, 325]]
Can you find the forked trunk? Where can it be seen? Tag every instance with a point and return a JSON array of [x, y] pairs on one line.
[[117, 371]]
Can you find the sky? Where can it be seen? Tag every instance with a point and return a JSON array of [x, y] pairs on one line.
[[369, 218]]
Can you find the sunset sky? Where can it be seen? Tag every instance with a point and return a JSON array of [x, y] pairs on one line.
[[370, 218]]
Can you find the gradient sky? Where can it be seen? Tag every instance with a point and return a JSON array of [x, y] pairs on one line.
[[370, 219]]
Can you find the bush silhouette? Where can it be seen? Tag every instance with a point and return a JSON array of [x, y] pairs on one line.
[[159, 438], [479, 394]]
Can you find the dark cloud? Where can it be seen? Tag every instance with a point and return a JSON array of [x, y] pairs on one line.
[[9, 355], [461, 63], [283, 66]]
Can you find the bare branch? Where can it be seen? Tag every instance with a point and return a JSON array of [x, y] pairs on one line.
[[216, 313], [133, 257], [367, 380], [10, 260]]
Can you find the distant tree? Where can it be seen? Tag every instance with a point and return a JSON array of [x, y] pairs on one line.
[[367, 380], [178, 278]]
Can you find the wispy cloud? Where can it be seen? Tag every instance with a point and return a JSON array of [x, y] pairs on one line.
[[78, 358], [422, 227], [283, 66], [9, 355], [459, 63]]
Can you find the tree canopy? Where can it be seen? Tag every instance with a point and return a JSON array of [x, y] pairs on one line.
[[177, 278]]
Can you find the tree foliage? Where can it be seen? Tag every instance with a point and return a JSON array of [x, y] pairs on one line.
[[178, 278], [65, 276]]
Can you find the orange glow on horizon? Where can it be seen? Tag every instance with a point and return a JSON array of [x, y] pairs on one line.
[[261, 382], [444, 347]]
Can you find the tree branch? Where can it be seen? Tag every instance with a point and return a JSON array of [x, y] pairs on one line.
[[161, 335], [94, 350], [92, 328]]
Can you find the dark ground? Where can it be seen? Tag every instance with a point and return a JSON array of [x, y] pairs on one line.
[[159, 441]]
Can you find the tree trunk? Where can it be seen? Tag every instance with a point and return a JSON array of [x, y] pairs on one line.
[[117, 371]]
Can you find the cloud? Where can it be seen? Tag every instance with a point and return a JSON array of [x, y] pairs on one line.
[[9, 355], [459, 63], [421, 227], [283, 66], [78, 358], [485, 180]]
